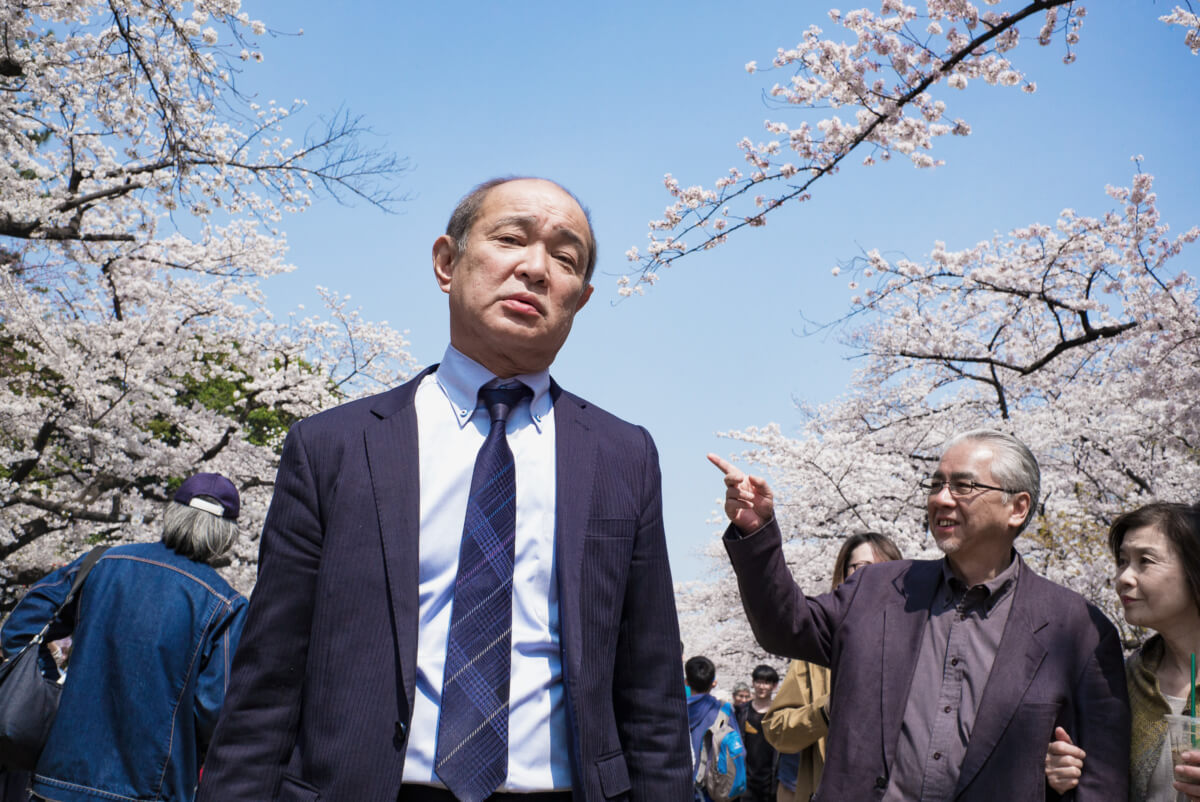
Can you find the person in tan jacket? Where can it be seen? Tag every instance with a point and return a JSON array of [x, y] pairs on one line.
[[799, 718]]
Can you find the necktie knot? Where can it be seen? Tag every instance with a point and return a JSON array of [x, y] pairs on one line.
[[501, 401]]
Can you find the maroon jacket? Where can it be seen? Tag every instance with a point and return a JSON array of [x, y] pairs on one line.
[[1059, 664]]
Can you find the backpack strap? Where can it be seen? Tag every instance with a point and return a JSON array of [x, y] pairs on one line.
[[85, 568]]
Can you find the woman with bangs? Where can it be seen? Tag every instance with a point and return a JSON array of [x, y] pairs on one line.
[[1157, 552]]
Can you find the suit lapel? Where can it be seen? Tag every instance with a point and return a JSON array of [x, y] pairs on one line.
[[391, 446], [905, 614], [1018, 658], [574, 470]]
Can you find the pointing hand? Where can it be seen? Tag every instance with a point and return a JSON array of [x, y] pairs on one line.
[[748, 500]]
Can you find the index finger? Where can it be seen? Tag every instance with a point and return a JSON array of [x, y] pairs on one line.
[[724, 467]]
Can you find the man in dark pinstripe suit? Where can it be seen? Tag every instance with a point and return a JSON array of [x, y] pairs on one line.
[[337, 688]]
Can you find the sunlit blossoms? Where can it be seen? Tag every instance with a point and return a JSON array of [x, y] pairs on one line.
[[1081, 337], [138, 197], [879, 83], [1189, 20]]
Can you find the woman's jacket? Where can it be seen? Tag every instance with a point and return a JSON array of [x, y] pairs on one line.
[[797, 722]]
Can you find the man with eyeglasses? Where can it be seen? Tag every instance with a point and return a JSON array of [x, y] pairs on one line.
[[950, 675]]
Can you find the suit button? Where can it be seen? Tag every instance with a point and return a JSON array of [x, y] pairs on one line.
[[398, 736], [881, 782]]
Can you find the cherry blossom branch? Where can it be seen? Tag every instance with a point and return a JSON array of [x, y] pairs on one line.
[[835, 74]]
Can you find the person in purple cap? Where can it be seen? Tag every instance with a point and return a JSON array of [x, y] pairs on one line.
[[153, 630]]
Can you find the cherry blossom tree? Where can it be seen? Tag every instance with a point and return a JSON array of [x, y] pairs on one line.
[[141, 194], [888, 79], [1081, 337]]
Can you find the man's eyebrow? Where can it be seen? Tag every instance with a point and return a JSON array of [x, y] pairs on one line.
[[521, 220], [527, 221]]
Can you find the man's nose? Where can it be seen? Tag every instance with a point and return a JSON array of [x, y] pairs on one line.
[[534, 263]]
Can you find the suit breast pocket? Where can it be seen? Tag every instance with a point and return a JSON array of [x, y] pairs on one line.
[[609, 528], [607, 551]]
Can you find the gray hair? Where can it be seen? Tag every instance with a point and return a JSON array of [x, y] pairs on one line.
[[1013, 465], [467, 210], [197, 534]]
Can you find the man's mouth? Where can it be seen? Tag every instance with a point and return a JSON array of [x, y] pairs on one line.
[[524, 303]]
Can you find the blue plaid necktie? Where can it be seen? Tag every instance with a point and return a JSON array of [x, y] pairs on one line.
[[472, 738]]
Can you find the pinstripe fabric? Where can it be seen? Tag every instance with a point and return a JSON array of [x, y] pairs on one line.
[[323, 682], [472, 741]]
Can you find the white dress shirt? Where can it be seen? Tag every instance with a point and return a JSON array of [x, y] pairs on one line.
[[451, 427]]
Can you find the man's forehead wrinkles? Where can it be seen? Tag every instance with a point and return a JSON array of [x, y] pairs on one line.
[[529, 221]]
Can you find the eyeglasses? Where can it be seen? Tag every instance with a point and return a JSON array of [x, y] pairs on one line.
[[959, 488]]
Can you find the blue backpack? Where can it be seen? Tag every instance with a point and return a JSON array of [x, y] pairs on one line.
[[721, 767]]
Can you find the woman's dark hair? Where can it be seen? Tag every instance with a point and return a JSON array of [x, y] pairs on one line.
[[1179, 523], [885, 551]]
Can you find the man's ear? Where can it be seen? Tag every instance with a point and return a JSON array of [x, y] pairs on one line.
[[583, 296], [1020, 509], [445, 253]]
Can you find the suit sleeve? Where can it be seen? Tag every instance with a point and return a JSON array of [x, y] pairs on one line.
[[648, 696], [783, 619], [1102, 722], [257, 729], [797, 718]]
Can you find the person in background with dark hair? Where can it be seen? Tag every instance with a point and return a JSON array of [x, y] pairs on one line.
[[703, 708], [798, 721], [701, 676], [760, 755], [1157, 552], [153, 632]]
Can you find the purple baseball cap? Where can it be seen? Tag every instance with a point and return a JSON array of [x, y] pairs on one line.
[[214, 486]]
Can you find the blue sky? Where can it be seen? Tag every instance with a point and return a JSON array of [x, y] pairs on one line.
[[607, 97]]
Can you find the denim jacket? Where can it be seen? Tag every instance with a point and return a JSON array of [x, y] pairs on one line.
[[153, 637]]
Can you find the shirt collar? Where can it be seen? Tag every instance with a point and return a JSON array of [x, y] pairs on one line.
[[994, 589], [460, 378]]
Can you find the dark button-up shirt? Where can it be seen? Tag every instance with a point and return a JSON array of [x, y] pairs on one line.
[[957, 649]]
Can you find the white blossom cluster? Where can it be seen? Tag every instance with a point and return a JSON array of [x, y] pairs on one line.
[[1081, 338], [138, 197], [878, 86], [1188, 19]]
